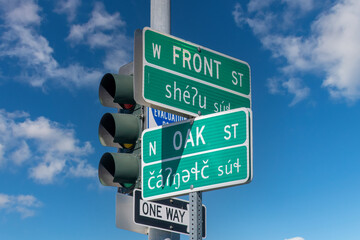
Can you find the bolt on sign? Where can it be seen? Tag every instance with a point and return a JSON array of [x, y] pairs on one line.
[[187, 79], [209, 152]]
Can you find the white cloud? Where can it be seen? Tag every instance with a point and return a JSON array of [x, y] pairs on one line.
[[331, 48], [100, 20], [20, 12], [275, 85], [47, 170], [116, 58], [23, 204], [21, 40], [4, 200], [68, 7], [296, 51], [2, 153], [238, 15], [104, 31], [302, 5], [49, 149], [256, 5], [261, 23], [28, 201], [263, 20], [21, 154], [292, 86], [82, 169], [295, 238], [337, 49], [295, 87]]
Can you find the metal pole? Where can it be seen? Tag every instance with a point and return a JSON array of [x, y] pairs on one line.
[[160, 21], [196, 219], [157, 234], [160, 15]]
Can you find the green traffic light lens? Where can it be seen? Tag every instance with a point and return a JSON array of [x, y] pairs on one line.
[[127, 185]]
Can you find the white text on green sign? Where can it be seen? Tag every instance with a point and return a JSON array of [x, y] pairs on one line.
[[187, 78], [212, 152]]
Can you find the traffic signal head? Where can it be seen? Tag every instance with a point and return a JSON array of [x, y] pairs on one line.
[[119, 169], [121, 130], [117, 91]]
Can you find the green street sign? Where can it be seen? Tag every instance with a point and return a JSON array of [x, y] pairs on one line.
[[187, 79], [209, 152]]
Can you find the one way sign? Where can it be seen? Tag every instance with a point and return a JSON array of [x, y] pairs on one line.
[[169, 214]]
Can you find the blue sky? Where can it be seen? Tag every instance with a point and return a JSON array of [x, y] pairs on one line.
[[304, 57]]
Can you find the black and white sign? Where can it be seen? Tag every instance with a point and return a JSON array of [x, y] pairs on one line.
[[169, 214]]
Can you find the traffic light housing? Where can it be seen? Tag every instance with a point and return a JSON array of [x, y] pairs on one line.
[[121, 130]]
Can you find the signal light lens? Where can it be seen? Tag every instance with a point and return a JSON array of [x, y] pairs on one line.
[[127, 185], [128, 106], [128, 145]]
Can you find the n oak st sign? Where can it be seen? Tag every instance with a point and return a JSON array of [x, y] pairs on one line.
[[187, 79], [206, 153]]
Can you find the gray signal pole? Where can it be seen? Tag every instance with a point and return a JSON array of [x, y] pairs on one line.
[[160, 15], [160, 21]]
